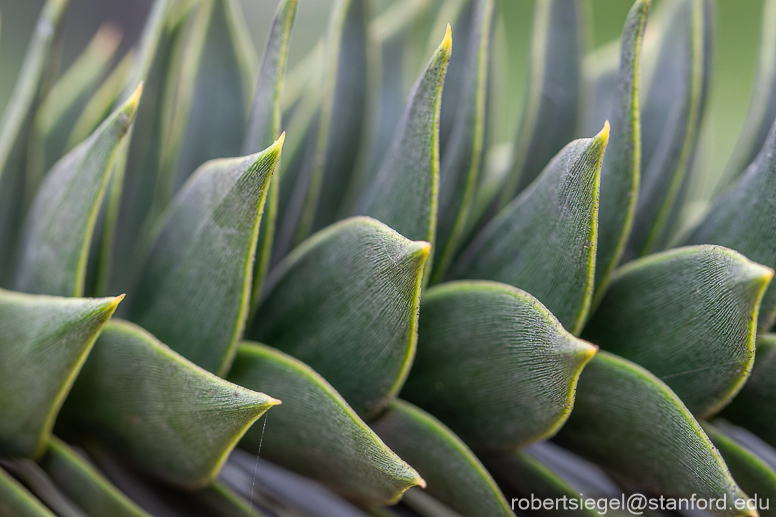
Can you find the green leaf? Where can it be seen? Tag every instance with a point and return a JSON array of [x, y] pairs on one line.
[[671, 117], [753, 408], [551, 105], [178, 424], [620, 170], [688, 316], [426, 506], [28, 82], [345, 302], [743, 219], [29, 473], [343, 453], [192, 295], [343, 121], [454, 475], [43, 343], [58, 230], [494, 364], [762, 103], [754, 475], [51, 124], [462, 153], [76, 478], [410, 169], [631, 424], [17, 501], [545, 241], [264, 128]]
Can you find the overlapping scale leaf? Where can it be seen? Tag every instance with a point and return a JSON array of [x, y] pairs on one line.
[[671, 118], [196, 284], [57, 232], [688, 316], [264, 128], [620, 170], [342, 452], [454, 475], [34, 478], [494, 364], [743, 219], [410, 170], [146, 403], [754, 475], [17, 501], [463, 151], [630, 423], [345, 302], [545, 240], [762, 103], [551, 103], [44, 341]]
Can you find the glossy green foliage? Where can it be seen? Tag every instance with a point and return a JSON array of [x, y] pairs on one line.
[[193, 295], [706, 300], [17, 501], [342, 452], [620, 170], [156, 424], [34, 478], [463, 148], [619, 405], [494, 364], [551, 103], [264, 128], [410, 169], [743, 219], [57, 232], [545, 240], [671, 118], [44, 341], [753, 408], [345, 302], [454, 475]]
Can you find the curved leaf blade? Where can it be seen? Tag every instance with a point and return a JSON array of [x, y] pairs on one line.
[[57, 233], [44, 342], [743, 219], [342, 453], [550, 109], [30, 473], [494, 364], [178, 425], [193, 294], [17, 501], [462, 155], [671, 117], [619, 405], [454, 474], [355, 284], [545, 241], [264, 128], [689, 317], [620, 170]]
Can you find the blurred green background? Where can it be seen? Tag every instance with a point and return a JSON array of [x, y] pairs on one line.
[[737, 29]]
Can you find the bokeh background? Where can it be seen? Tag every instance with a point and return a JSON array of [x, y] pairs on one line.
[[738, 25]]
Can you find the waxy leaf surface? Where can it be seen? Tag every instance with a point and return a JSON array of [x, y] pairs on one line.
[[17, 501]]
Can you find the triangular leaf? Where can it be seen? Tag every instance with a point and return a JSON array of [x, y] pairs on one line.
[[342, 453], [545, 241], [743, 219], [410, 170], [454, 475], [494, 364], [345, 302], [17, 501], [688, 316], [192, 295], [631, 424], [58, 230], [43, 343], [178, 424]]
